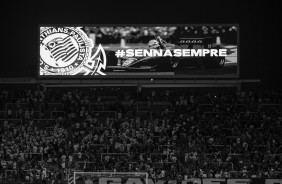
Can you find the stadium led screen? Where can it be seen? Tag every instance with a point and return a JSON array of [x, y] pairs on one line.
[[166, 50]]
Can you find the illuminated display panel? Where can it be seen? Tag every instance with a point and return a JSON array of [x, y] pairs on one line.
[[112, 51]]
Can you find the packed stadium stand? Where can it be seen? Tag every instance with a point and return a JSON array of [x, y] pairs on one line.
[[46, 133]]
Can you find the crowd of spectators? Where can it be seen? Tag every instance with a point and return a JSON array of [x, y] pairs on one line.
[[184, 133], [112, 35]]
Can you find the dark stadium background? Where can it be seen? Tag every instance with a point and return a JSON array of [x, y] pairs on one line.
[[259, 45], [258, 34]]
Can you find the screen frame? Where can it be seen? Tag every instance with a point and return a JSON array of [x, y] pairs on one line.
[[125, 76]]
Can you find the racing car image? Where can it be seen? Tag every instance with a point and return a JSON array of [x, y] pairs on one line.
[[168, 63]]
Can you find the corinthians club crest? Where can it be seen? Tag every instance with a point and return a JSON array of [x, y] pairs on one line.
[[68, 51]]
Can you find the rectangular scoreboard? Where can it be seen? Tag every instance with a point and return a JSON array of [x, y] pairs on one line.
[[109, 51]]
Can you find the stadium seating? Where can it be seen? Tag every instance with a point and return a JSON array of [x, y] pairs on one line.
[[193, 134]]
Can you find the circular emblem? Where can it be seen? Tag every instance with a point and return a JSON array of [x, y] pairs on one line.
[[63, 50]]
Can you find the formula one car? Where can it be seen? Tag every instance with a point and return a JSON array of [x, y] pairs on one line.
[[168, 63]]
